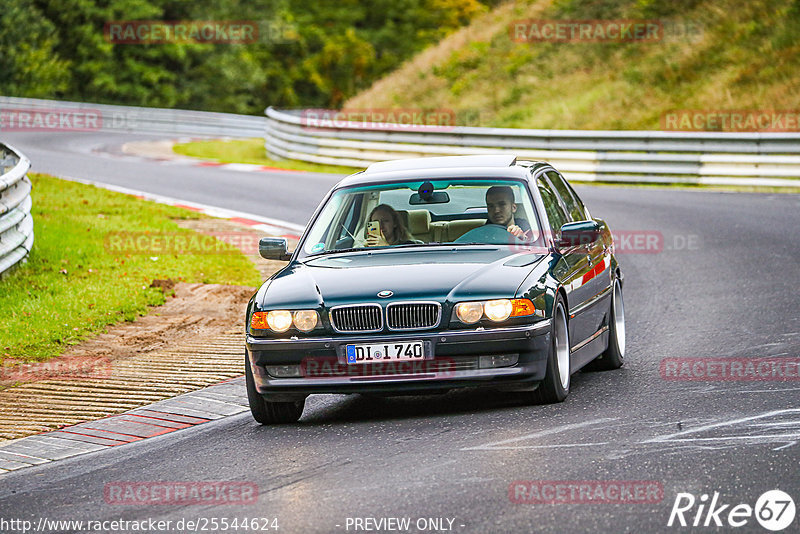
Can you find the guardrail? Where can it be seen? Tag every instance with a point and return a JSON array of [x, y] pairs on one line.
[[128, 119], [16, 223], [759, 159]]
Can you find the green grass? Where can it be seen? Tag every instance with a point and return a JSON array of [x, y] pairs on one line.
[[72, 285], [715, 55], [250, 151]]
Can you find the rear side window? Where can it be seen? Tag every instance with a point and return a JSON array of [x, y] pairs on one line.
[[571, 202]]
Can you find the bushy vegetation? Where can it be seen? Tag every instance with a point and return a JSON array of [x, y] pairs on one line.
[[311, 53], [715, 55]]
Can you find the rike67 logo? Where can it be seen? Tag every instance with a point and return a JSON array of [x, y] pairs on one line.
[[774, 510]]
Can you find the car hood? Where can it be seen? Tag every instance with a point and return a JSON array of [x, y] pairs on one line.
[[456, 274]]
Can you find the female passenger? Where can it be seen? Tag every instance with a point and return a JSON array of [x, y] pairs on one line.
[[393, 231]]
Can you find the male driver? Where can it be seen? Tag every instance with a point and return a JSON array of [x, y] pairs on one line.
[[501, 208]]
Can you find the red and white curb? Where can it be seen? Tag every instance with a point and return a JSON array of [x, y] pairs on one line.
[[163, 417], [275, 227], [131, 154]]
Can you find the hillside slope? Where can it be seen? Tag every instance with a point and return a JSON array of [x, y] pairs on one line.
[[714, 55]]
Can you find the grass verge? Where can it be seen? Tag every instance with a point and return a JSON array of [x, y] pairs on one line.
[[713, 55], [73, 285], [250, 151]]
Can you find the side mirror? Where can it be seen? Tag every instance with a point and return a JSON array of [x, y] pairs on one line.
[[273, 248], [579, 233]]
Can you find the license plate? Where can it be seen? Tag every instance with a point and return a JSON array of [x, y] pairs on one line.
[[394, 352]]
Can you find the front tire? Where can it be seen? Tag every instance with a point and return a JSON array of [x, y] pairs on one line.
[[555, 386], [614, 355], [265, 412]]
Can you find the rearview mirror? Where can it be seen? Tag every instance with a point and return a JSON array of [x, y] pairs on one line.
[[579, 233], [273, 248], [435, 197]]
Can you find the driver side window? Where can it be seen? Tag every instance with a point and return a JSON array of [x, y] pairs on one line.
[[574, 207], [556, 215]]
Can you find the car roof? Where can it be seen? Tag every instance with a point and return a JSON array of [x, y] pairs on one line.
[[482, 166], [492, 160]]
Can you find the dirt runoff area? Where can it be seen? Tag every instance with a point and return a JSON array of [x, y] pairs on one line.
[[193, 340]]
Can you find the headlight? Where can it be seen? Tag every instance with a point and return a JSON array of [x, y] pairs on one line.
[[305, 320], [469, 312], [279, 320], [282, 320], [498, 310]]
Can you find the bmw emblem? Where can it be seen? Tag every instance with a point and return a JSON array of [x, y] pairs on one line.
[[385, 294]]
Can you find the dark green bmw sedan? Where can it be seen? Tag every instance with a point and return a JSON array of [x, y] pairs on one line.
[[429, 274]]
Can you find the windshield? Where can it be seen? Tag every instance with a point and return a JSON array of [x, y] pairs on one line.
[[425, 213]]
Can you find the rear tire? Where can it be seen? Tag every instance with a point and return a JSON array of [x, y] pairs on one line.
[[614, 355], [555, 386], [265, 412]]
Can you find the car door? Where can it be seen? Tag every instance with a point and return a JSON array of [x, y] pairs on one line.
[[598, 279], [573, 268]]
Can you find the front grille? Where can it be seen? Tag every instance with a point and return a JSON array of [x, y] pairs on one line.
[[358, 318], [413, 315]]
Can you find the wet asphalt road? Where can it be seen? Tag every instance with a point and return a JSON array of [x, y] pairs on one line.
[[722, 285]]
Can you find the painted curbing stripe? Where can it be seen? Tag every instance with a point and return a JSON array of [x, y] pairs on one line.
[[89, 439], [157, 419], [87, 431], [168, 417], [158, 422], [196, 162]]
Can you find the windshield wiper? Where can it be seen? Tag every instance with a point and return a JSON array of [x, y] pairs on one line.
[[471, 243], [392, 247], [337, 251]]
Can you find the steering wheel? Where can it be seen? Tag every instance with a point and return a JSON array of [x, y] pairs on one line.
[[490, 234]]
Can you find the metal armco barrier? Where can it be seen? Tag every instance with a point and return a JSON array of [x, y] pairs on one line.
[[16, 223], [31, 114], [759, 159]]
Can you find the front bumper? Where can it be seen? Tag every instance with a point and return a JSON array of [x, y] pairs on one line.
[[447, 364]]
